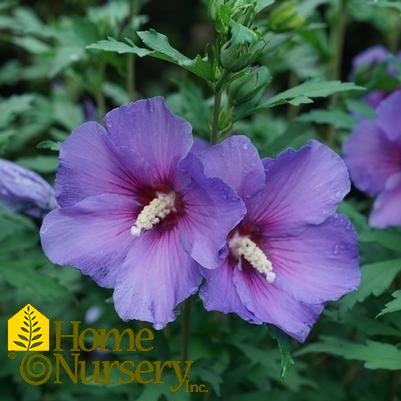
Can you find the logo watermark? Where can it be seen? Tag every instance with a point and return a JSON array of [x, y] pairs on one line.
[[29, 332]]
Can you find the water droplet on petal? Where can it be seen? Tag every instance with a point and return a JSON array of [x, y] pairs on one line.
[[245, 146]]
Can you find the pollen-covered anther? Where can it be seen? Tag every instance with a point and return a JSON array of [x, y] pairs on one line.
[[155, 211], [242, 246]]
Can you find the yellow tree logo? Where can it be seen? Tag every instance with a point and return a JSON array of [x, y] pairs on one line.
[[28, 330]]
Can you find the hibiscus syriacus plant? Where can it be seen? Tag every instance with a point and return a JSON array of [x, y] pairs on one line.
[[142, 213]]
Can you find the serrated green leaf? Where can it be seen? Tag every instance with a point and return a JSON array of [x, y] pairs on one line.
[[376, 278], [388, 239], [304, 93], [375, 355], [262, 4], [240, 34], [163, 50], [336, 118], [112, 45], [34, 283], [160, 48], [159, 42], [394, 305], [13, 106]]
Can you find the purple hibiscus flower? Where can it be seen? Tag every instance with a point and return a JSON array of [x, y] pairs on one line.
[[291, 253], [367, 61], [137, 212], [24, 191], [373, 155]]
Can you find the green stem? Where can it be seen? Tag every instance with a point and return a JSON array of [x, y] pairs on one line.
[[186, 317], [215, 119]]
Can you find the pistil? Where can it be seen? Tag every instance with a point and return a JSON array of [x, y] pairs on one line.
[[243, 246], [155, 211]]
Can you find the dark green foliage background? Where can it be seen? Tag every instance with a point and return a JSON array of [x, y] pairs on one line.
[[48, 76]]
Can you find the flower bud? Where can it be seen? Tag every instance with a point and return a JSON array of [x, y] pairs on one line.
[[285, 17], [250, 85], [24, 191], [236, 57]]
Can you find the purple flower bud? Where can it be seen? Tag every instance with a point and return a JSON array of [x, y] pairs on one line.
[[24, 191]]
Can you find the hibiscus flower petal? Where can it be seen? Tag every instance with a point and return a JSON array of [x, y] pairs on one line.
[[151, 130], [371, 157], [273, 306], [318, 265], [387, 207], [156, 276], [91, 165], [219, 292], [302, 187], [236, 161], [212, 210], [93, 235], [389, 116]]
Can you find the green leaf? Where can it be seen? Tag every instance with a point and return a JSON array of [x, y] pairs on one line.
[[41, 164], [240, 34], [13, 106], [336, 118], [49, 144], [388, 4], [283, 342], [32, 45], [160, 49], [375, 355], [262, 4], [376, 278], [394, 305], [34, 283], [388, 239], [304, 92], [112, 45], [163, 50]]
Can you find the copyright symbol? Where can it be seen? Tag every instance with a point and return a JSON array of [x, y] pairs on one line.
[[12, 355]]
